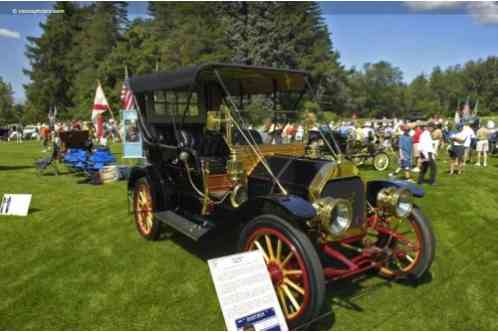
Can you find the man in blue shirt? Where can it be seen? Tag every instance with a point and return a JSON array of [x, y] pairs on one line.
[[405, 152]]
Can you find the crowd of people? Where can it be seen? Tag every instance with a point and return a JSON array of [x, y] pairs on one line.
[[112, 131], [418, 144]]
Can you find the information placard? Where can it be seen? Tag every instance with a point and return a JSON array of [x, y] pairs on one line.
[[246, 294], [15, 204], [132, 145]]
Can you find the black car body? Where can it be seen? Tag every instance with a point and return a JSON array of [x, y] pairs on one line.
[[205, 167]]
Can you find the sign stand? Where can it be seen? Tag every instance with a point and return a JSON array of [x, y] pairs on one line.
[[15, 204], [246, 294], [132, 147]]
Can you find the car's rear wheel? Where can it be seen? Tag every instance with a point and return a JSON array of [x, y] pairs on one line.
[[412, 243], [293, 264], [381, 161], [143, 209]]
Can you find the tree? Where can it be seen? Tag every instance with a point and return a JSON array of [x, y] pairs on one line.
[[421, 99], [6, 103], [102, 27], [52, 71], [378, 90], [187, 33], [285, 35]]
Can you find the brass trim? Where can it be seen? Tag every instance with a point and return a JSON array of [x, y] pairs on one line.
[[326, 173]]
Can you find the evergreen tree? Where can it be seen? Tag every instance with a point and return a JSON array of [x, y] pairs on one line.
[[101, 30], [52, 71], [187, 33], [6, 103]]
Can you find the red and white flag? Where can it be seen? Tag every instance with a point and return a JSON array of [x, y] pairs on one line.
[[100, 104]]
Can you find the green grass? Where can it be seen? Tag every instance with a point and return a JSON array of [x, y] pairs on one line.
[[77, 262]]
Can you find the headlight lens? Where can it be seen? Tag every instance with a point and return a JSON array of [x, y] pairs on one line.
[[335, 214], [396, 201], [405, 205], [340, 218]]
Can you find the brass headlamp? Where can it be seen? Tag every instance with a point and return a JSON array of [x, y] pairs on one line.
[[395, 201], [335, 214]]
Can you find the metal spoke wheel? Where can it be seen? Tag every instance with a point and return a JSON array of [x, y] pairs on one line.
[[143, 210], [412, 246], [293, 265], [381, 161]]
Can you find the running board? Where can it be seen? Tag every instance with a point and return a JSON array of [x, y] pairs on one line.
[[183, 225]]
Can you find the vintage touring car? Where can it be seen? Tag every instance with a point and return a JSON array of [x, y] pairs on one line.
[[314, 219]]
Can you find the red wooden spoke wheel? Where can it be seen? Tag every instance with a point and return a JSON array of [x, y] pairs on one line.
[[412, 244], [293, 264]]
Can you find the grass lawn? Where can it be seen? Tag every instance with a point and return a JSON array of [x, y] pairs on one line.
[[77, 262]]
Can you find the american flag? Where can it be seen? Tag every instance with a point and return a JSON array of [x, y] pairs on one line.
[[126, 94], [126, 98]]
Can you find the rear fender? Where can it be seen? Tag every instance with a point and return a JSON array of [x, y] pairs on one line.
[[373, 187], [290, 207]]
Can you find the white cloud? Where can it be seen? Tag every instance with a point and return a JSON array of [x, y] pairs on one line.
[[9, 33], [432, 5], [484, 12]]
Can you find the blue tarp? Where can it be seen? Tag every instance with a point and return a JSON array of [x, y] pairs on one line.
[[82, 160]]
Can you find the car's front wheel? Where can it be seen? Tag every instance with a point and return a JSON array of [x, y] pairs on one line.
[[293, 264], [143, 210], [412, 243]]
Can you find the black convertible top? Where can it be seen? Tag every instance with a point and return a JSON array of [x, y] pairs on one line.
[[238, 78]]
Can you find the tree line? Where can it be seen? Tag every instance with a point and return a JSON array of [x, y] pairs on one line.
[[97, 41]]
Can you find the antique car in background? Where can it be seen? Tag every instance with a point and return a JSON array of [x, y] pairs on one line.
[[314, 219], [358, 153]]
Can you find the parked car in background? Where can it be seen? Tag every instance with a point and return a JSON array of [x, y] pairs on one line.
[[30, 132], [4, 134]]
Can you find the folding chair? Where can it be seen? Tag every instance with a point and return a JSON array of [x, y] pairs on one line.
[[43, 164]]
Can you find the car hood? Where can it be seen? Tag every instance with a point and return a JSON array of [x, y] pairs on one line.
[[300, 176]]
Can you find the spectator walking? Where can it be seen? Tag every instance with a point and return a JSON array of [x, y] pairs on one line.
[[405, 152], [469, 135], [482, 146], [45, 134], [416, 150], [437, 138], [427, 156], [457, 151]]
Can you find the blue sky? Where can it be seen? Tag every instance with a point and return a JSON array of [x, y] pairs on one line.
[[413, 36]]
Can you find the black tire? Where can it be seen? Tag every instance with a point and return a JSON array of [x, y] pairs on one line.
[[381, 161], [427, 243], [313, 270], [151, 231]]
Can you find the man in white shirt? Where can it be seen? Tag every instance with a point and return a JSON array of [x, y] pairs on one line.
[[469, 135], [426, 148]]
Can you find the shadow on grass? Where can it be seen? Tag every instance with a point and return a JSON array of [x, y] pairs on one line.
[[342, 293], [217, 243], [14, 168]]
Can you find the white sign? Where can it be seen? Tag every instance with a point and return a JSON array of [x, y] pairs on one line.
[[246, 294], [15, 204]]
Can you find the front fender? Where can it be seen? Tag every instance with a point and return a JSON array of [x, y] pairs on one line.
[[373, 187], [291, 206], [154, 179]]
